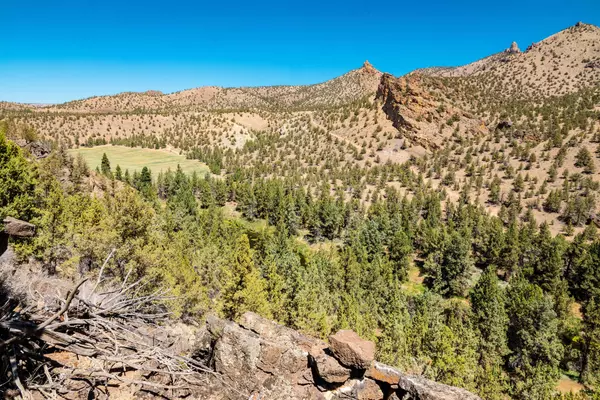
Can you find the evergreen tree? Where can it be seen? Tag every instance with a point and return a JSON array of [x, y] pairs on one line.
[[118, 173], [451, 267], [245, 290], [105, 166], [17, 182], [533, 340], [400, 254], [491, 323], [591, 351]]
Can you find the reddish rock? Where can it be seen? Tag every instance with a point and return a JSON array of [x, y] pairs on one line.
[[351, 350], [369, 390], [383, 373], [330, 370]]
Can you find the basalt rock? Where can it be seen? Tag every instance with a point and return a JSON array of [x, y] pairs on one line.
[[394, 96], [17, 228], [504, 125], [419, 388], [351, 350], [262, 359], [593, 64]]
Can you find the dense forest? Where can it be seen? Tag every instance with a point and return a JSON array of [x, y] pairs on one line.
[[505, 308]]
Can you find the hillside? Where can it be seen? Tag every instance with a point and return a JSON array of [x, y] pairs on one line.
[[336, 92], [563, 63]]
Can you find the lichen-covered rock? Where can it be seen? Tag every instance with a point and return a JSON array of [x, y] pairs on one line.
[[235, 355], [383, 373], [419, 388], [330, 370], [260, 359], [351, 350], [17, 228]]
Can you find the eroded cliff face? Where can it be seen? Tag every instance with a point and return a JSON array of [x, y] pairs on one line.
[[418, 109], [263, 360]]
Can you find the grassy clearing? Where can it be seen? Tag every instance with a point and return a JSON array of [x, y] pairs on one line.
[[567, 385], [414, 285], [137, 158]]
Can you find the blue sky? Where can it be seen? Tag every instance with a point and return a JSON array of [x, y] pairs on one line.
[[54, 51]]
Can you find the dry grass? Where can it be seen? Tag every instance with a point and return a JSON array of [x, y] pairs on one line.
[[134, 159]]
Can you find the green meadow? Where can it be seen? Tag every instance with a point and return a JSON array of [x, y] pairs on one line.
[[137, 158]]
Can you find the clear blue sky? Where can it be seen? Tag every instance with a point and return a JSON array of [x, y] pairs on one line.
[[54, 51]]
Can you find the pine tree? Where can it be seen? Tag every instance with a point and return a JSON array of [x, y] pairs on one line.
[[105, 166], [591, 351], [17, 182], [400, 253], [118, 173], [245, 289], [491, 323], [533, 340], [451, 266]]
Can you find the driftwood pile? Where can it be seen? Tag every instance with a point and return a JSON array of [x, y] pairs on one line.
[[97, 337]]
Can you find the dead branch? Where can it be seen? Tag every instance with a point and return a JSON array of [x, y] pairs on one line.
[[115, 324]]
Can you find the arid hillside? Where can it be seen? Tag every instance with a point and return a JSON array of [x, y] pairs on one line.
[[509, 130], [338, 91], [563, 63]]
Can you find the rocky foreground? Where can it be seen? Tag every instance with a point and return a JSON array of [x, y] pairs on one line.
[[115, 344], [270, 361]]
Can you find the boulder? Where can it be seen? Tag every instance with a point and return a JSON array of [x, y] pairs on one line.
[[330, 370], [419, 388], [351, 350], [369, 390], [504, 124], [235, 356], [383, 373], [593, 64], [17, 228]]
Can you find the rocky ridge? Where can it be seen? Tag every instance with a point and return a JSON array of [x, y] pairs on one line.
[[338, 91], [269, 361], [557, 65], [417, 113]]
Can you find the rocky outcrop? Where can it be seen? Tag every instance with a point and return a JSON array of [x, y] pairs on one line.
[[37, 149], [415, 106], [17, 228], [394, 93], [369, 68], [351, 350], [260, 359], [593, 64], [513, 49]]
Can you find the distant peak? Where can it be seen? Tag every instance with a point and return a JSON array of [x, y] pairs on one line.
[[583, 26], [153, 93], [513, 49], [368, 67]]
